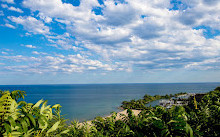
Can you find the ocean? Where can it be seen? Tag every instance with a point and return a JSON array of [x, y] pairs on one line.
[[86, 101]]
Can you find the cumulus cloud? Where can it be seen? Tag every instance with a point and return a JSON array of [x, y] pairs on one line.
[[201, 12], [64, 41], [122, 35], [30, 46], [1, 13], [19, 58], [60, 63], [15, 9], [118, 15], [8, 1], [31, 24], [46, 19], [5, 53], [58, 9], [11, 8], [39, 53], [4, 5], [205, 64], [150, 28], [10, 26]]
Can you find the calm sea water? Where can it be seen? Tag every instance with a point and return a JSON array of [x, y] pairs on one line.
[[86, 101]]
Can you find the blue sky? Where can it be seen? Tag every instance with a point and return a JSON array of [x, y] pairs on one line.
[[112, 41]]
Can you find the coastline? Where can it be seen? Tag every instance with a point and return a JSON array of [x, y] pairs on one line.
[[123, 112], [84, 102], [118, 117]]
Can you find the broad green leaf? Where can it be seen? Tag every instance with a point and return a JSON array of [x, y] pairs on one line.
[[12, 121], [54, 127], [41, 123], [172, 121], [7, 127], [189, 130], [38, 103], [56, 106], [27, 120], [12, 134], [29, 133], [24, 125], [65, 131], [32, 119]]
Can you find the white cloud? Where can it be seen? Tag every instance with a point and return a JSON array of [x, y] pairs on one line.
[[11, 8], [35, 52], [1, 13], [60, 63], [120, 14], [15, 9], [141, 34], [63, 41], [46, 19], [204, 65], [150, 28], [58, 9], [8, 1], [201, 12], [5, 53], [19, 58], [31, 24], [39, 53], [4, 5], [10, 26], [30, 46]]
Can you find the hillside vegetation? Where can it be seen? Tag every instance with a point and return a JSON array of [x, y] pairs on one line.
[[141, 103]]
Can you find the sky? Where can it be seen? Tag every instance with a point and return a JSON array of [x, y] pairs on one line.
[[109, 41]]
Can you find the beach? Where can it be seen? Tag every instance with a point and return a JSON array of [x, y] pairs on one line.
[[119, 116]]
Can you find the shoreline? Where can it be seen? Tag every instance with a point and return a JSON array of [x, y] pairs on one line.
[[118, 117], [122, 111]]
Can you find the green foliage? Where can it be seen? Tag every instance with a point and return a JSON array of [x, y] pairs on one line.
[[140, 104], [217, 89], [159, 121], [26, 119]]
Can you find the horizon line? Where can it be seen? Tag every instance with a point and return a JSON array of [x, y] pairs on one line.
[[108, 83]]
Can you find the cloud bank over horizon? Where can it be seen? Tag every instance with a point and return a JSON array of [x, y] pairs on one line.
[[113, 36]]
